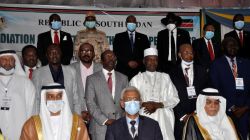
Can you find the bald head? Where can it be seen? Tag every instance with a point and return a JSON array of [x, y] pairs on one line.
[[186, 52]]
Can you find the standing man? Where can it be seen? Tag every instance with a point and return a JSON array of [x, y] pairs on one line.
[[189, 80], [103, 92], [230, 75], [55, 120], [55, 36], [29, 55], [159, 95], [95, 37], [169, 41], [241, 36], [133, 126], [128, 46], [56, 72], [85, 67], [206, 49], [17, 95]]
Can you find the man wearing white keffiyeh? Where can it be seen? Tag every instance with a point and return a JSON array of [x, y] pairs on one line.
[[55, 120], [211, 121]]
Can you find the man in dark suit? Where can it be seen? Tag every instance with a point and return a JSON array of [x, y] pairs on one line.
[[230, 75], [206, 49], [189, 80], [133, 126], [169, 41], [128, 47], [242, 37], [103, 93], [55, 36]]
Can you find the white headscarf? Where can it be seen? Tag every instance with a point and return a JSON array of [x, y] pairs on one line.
[[18, 67], [65, 125], [218, 126]]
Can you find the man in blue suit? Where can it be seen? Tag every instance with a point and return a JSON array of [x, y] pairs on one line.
[[133, 126], [230, 75]]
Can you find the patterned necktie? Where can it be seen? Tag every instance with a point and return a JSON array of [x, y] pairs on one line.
[[186, 75], [133, 127], [241, 38], [30, 73], [110, 82], [173, 58], [131, 38], [234, 69], [210, 50], [56, 38]]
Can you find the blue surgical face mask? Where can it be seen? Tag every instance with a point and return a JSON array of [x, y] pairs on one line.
[[132, 107], [239, 24], [55, 106], [56, 25], [131, 27], [186, 62], [90, 24], [209, 35]]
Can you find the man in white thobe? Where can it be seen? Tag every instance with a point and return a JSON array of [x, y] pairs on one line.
[[159, 95], [17, 95]]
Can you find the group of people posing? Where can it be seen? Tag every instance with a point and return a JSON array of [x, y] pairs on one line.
[[177, 91]]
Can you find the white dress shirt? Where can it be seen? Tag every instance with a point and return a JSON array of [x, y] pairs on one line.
[[52, 32], [105, 72]]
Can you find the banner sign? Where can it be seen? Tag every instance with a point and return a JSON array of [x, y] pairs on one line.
[[20, 26]]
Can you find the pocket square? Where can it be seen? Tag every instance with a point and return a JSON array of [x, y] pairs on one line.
[[65, 38]]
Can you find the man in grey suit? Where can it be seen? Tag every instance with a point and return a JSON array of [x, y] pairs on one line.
[[103, 93], [55, 72], [84, 68]]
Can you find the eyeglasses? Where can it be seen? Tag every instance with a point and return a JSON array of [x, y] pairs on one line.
[[86, 51]]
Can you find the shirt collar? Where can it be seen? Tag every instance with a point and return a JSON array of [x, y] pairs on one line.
[[229, 59], [136, 120], [27, 68], [52, 30], [131, 32], [105, 72], [91, 66]]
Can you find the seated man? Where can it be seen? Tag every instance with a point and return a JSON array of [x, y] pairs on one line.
[[55, 120], [211, 121], [133, 126]]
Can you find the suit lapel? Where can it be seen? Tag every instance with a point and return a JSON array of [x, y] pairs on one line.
[[117, 87], [181, 74], [105, 84], [195, 76], [49, 75], [228, 70], [125, 129], [79, 78], [50, 38], [61, 36], [140, 128]]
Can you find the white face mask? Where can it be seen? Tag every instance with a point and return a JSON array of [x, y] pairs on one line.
[[171, 26], [55, 106], [6, 72], [187, 63]]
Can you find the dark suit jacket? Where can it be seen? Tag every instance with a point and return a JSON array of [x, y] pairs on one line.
[[124, 54], [66, 44], [201, 55], [222, 79], [148, 129], [245, 50], [186, 106], [162, 46]]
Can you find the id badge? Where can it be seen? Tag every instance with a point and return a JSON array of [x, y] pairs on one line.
[[239, 83], [5, 103], [191, 92]]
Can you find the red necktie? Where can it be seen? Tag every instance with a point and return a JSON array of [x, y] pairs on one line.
[[241, 38], [210, 50], [30, 74], [110, 82], [56, 38]]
